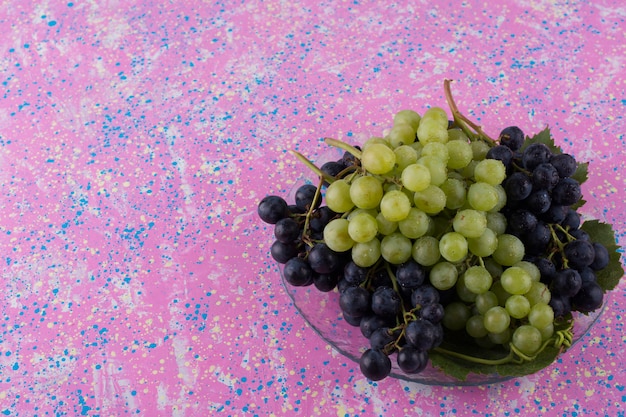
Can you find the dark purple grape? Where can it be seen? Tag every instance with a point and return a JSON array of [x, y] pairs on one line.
[[588, 275], [517, 186], [350, 160], [565, 164], [381, 337], [579, 253], [535, 154], [521, 221], [412, 360], [298, 272], [424, 295], [566, 282], [580, 234], [272, 208], [332, 168], [375, 364], [410, 275], [432, 312], [421, 334], [354, 274], [545, 177], [589, 298], [547, 270], [282, 252], [287, 230], [355, 301], [538, 201], [372, 322], [501, 153], [386, 302], [571, 220], [323, 259], [537, 240], [512, 137], [325, 282], [566, 192], [560, 305], [354, 321], [320, 218], [305, 194], [555, 214], [601, 258]]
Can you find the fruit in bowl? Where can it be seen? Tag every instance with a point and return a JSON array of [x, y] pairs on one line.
[[447, 248]]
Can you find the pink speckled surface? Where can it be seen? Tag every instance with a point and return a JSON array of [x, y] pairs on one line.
[[136, 139]]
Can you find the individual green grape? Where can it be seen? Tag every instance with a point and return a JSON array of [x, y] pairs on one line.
[[385, 227], [457, 134], [443, 276], [468, 170], [482, 196], [396, 248], [418, 146], [496, 319], [426, 251], [430, 200], [475, 327], [531, 268], [362, 228], [430, 130], [501, 338], [490, 171], [338, 196], [470, 223], [395, 205], [405, 156], [516, 280], [375, 140], [547, 332], [538, 293], [357, 211], [509, 251], [541, 315], [496, 222], [336, 235], [527, 339], [409, 117], [494, 268], [455, 315], [416, 177], [477, 279], [460, 153], [484, 245], [479, 150], [463, 292], [453, 247], [485, 301], [437, 167], [517, 306], [500, 292], [415, 224], [436, 150], [365, 254], [455, 192], [378, 159], [366, 192], [501, 198], [437, 115], [401, 134]]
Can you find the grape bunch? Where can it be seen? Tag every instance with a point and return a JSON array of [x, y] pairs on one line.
[[435, 235]]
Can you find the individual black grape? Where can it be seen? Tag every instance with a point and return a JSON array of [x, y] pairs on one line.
[[512, 137], [381, 337], [354, 274], [386, 302], [537, 240], [349, 160], [565, 164], [354, 321], [567, 282], [323, 259], [355, 301], [375, 364], [545, 177], [601, 258], [571, 220], [589, 298], [298, 272], [372, 322], [432, 312], [412, 360], [555, 214], [501, 153], [282, 252], [560, 305], [342, 284], [521, 221], [410, 275], [305, 194], [547, 270], [580, 234], [287, 230], [421, 334], [272, 208], [535, 154], [539, 201], [293, 209], [332, 168], [325, 282], [320, 218], [423, 295], [587, 274], [517, 186], [579, 253], [566, 192]]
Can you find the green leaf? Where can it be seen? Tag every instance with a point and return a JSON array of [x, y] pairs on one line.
[[603, 233]]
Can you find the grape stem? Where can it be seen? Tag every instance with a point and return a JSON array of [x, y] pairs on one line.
[[316, 197], [462, 121], [345, 146]]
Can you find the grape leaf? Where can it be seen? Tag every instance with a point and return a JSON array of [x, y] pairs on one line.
[[603, 233]]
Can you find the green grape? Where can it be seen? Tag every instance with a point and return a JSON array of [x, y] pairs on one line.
[[515, 280], [541, 315], [430, 130], [517, 306], [455, 315], [437, 115], [455, 192], [395, 206], [443, 276], [527, 339], [385, 227], [479, 150], [405, 156], [415, 225], [531, 268], [366, 192], [475, 327], [509, 251], [501, 338], [357, 211], [485, 301], [409, 117], [501, 198], [338, 196], [538, 293], [416, 177], [463, 292], [500, 292], [437, 167], [430, 200], [490, 171], [496, 319], [375, 140], [477, 279], [468, 170], [378, 159], [336, 235], [436, 150], [418, 146], [494, 268], [396, 248], [482, 196], [457, 134], [453, 247], [547, 332], [460, 153], [365, 254], [362, 228], [470, 223], [401, 134], [426, 251], [484, 245], [496, 222]]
